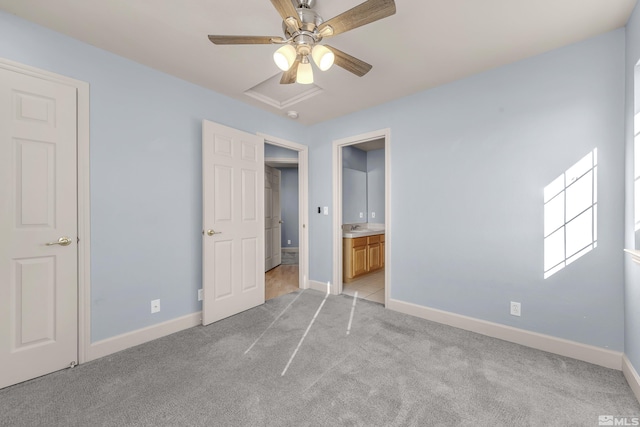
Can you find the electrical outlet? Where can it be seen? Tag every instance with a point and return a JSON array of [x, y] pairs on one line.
[[199, 294], [515, 309], [373, 214], [288, 242], [361, 215], [326, 210], [155, 306]]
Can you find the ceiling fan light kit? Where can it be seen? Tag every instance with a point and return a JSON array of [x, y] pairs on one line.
[[305, 73], [285, 57], [304, 29], [323, 57]]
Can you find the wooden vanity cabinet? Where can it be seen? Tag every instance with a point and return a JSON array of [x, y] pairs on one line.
[[373, 252], [362, 255]]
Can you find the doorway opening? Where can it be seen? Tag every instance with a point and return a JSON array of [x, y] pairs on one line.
[[361, 216], [286, 247]]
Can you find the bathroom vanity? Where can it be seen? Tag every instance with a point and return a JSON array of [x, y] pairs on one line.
[[363, 253]]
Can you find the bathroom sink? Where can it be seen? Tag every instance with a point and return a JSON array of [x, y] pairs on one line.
[[361, 233]]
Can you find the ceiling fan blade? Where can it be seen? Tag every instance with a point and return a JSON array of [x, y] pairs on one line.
[[365, 13], [245, 39], [289, 76], [286, 9], [350, 63]]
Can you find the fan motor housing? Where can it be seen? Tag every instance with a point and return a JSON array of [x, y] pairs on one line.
[[307, 4], [309, 18]]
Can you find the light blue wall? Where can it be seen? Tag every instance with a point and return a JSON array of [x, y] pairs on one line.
[[632, 270], [279, 152], [146, 208], [469, 161], [289, 204], [375, 186]]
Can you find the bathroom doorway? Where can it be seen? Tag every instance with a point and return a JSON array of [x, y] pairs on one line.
[[361, 170]]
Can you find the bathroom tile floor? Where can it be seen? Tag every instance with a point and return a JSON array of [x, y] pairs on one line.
[[369, 287]]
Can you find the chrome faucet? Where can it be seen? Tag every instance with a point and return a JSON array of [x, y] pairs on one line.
[[354, 227]]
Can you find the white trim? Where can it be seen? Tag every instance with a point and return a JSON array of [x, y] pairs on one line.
[[338, 144], [303, 202], [140, 336], [587, 353], [318, 286], [83, 195], [631, 375]]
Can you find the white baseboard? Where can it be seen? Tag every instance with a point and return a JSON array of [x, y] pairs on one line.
[[587, 353], [317, 286], [632, 376], [130, 339]]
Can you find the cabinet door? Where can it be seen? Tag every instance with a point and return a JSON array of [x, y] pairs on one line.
[[374, 256], [359, 259]]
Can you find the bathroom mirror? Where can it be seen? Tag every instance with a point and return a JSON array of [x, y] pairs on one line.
[[363, 183], [354, 196]]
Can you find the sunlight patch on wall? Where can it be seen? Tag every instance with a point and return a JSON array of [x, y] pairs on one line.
[[571, 214]]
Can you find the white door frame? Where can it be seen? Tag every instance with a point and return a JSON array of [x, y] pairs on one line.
[[84, 217], [338, 144], [303, 202]]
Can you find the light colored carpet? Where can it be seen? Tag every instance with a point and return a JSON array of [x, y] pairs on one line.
[[390, 370]]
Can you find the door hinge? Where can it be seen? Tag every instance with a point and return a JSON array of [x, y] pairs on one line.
[[78, 240]]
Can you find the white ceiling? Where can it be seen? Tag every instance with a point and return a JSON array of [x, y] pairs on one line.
[[425, 44]]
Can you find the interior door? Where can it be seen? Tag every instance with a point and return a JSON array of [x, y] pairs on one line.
[[276, 228], [38, 225], [272, 218], [268, 219], [233, 220]]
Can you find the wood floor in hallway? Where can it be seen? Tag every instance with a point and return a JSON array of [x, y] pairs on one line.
[[281, 280]]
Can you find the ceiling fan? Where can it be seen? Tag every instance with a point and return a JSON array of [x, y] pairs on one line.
[[304, 29]]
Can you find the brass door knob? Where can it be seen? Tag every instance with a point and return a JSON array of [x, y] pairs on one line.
[[210, 232]]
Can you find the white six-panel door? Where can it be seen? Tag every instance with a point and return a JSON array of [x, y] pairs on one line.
[[272, 218], [38, 206], [233, 221], [277, 218]]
